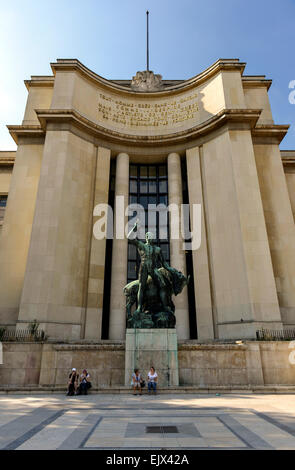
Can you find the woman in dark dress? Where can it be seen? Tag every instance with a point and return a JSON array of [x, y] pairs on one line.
[[73, 382], [85, 383]]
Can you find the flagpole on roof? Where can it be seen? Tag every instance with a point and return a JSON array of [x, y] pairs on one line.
[[147, 41]]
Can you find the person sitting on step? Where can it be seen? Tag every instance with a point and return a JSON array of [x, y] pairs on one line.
[[136, 382], [85, 383], [73, 382], [152, 380]]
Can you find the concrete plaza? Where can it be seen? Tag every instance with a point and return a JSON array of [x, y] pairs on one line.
[[165, 421]]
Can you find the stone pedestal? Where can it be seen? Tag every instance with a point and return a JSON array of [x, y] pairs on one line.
[[152, 347]]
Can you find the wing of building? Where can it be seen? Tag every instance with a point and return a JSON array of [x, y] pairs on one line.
[[210, 140]]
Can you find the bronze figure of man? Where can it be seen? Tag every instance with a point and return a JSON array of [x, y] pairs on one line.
[[151, 260]]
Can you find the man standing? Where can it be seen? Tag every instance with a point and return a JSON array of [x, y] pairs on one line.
[[151, 259]]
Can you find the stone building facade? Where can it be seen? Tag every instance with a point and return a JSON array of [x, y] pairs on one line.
[[209, 140]]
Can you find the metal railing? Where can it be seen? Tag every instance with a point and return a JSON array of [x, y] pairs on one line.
[[275, 335], [21, 335]]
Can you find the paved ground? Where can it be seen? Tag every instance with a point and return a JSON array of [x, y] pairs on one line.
[[124, 421]]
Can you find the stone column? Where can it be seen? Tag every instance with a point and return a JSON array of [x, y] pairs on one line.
[[17, 227], [280, 226], [289, 171], [242, 279], [117, 324], [56, 277], [204, 310], [177, 253], [93, 320]]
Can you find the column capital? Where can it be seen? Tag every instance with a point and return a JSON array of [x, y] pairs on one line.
[[123, 155], [173, 157]]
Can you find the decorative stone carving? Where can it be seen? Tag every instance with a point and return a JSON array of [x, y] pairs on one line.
[[146, 81]]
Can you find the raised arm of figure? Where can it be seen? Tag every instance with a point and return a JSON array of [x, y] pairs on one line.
[[134, 241]]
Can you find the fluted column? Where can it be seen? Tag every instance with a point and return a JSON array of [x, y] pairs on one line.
[[117, 324], [177, 253]]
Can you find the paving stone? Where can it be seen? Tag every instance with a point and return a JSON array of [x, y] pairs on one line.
[[112, 422]]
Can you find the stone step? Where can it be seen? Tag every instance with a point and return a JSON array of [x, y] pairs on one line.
[[238, 389]]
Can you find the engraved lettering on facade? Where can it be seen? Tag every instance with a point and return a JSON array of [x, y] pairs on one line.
[[147, 114]]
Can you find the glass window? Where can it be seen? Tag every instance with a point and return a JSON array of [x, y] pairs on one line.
[[132, 270], [143, 186], [131, 252], [165, 251], [143, 200], [163, 186], [163, 219], [153, 200], [143, 171], [133, 199], [149, 185], [3, 201], [153, 186], [133, 170], [163, 233], [133, 186], [152, 228], [163, 199], [152, 171]]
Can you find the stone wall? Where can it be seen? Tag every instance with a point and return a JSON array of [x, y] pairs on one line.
[[251, 363], [21, 364], [105, 363], [201, 365], [27, 364], [212, 365]]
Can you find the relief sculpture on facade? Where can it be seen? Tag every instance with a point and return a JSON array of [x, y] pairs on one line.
[[146, 81]]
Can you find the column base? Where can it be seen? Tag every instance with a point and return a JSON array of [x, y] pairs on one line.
[[152, 347]]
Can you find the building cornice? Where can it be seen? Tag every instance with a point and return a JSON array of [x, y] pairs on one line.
[[269, 133], [242, 116], [26, 131], [171, 86], [288, 159], [40, 81], [7, 158], [71, 65], [254, 81]]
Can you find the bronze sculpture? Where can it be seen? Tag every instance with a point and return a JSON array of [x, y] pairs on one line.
[[154, 288]]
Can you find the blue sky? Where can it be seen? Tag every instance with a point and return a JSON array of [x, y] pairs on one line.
[[108, 36]]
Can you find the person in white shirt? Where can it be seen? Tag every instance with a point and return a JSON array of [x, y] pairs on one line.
[[152, 380]]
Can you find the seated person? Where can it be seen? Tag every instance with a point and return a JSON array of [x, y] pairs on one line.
[[73, 382], [152, 380], [136, 382], [85, 383]]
